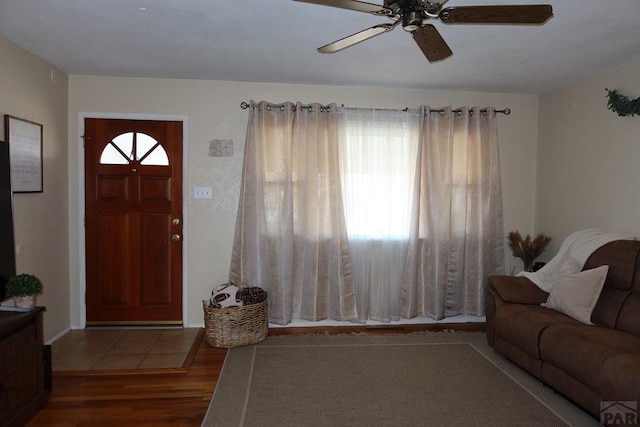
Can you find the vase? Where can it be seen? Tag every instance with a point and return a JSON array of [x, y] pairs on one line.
[[25, 302]]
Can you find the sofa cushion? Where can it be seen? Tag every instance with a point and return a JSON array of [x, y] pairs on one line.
[[580, 350], [522, 324], [620, 375], [622, 258], [576, 294], [607, 309], [623, 279], [629, 318]]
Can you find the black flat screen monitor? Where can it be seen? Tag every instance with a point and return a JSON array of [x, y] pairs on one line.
[[7, 244]]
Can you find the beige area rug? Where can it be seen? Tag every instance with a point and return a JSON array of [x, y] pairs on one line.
[[436, 379], [121, 351]]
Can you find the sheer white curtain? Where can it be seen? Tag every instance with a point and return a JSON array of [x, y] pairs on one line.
[[378, 151], [457, 236], [290, 236]]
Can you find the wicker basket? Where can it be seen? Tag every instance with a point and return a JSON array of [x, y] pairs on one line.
[[234, 326]]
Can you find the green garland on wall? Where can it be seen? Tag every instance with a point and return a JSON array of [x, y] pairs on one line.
[[622, 105]]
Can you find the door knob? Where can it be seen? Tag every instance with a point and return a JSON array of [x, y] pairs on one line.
[[176, 237]]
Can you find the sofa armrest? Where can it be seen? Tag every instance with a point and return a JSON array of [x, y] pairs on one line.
[[517, 289]]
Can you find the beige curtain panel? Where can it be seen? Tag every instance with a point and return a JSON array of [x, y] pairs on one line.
[[457, 236], [290, 234]]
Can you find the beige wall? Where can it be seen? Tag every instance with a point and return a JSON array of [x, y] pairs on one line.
[[577, 157], [28, 90], [588, 159], [212, 110]]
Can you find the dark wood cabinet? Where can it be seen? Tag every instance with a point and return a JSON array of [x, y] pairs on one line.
[[22, 382]]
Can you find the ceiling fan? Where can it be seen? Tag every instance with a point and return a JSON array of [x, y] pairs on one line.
[[413, 15]]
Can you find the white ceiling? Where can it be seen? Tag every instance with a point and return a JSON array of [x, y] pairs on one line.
[[275, 41]]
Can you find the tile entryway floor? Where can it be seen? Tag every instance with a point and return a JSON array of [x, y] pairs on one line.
[[124, 349]]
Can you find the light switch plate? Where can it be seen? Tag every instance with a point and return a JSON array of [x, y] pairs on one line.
[[202, 193]]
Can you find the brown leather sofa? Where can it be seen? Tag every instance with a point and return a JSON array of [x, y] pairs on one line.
[[587, 364]]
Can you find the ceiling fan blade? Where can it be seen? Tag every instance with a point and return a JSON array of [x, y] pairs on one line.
[[359, 6], [356, 38], [516, 14], [431, 43]]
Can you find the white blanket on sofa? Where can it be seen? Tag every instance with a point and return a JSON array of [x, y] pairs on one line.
[[578, 246]]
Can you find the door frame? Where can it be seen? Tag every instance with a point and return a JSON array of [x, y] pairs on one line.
[[82, 256]]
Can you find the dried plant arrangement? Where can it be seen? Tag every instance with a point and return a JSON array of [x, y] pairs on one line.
[[527, 249]]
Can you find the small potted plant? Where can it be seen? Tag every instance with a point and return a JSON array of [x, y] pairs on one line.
[[24, 288], [527, 248]]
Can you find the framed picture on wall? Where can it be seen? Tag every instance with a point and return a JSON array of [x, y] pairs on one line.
[[25, 154]]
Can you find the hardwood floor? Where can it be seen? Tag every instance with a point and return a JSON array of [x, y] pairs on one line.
[[149, 400], [174, 399]]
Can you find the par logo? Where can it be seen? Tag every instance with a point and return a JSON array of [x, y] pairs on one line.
[[619, 412]]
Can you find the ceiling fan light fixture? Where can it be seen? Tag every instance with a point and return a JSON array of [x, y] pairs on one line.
[[411, 21]]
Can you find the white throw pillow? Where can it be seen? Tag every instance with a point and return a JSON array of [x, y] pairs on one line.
[[576, 294]]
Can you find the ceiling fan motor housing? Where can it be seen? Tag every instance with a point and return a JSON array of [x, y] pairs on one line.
[[410, 11]]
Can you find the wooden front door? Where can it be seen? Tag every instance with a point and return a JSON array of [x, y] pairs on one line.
[[133, 221]]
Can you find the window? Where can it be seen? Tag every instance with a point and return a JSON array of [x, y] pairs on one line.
[[422, 206], [378, 172], [134, 146]]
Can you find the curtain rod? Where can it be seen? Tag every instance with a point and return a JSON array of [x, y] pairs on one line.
[[506, 111]]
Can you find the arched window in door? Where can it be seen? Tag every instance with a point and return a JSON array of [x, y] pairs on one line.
[[134, 146]]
